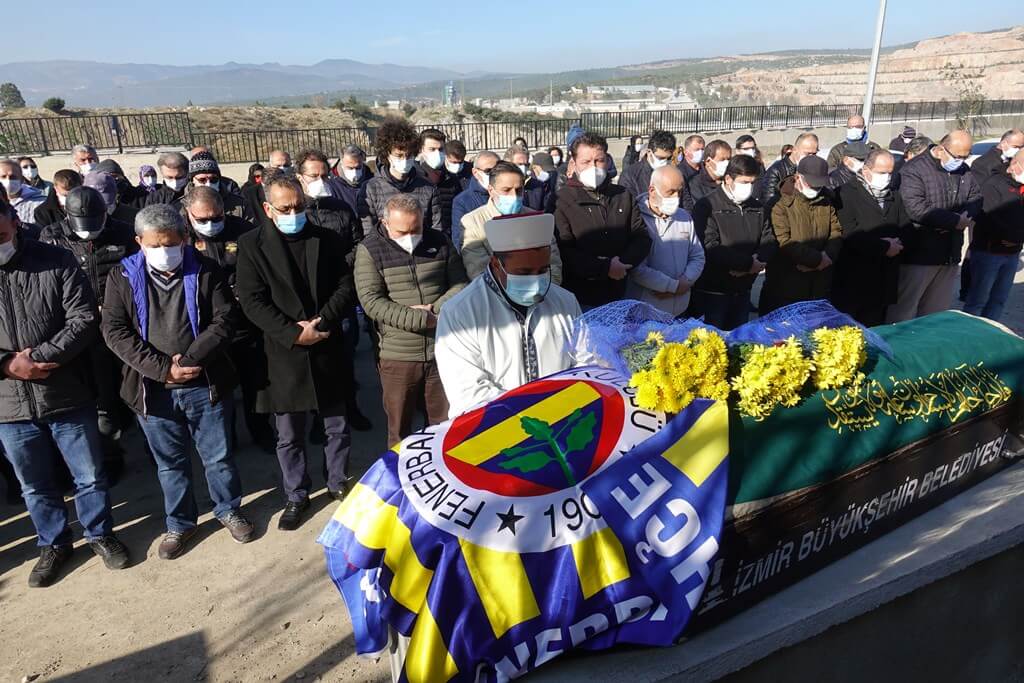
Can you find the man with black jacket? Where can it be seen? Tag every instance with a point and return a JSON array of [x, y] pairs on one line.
[[660, 148], [350, 183], [169, 315], [601, 234], [397, 145], [99, 243], [716, 160], [294, 283], [997, 241], [806, 145], [215, 235], [738, 242], [173, 168], [52, 209], [47, 321], [943, 200], [431, 166], [874, 220], [995, 161]]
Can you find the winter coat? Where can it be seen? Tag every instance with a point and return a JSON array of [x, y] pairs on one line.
[[222, 249], [772, 181], [732, 234], [836, 154], [989, 163], [46, 304], [637, 178], [539, 196], [935, 200], [476, 252], [212, 315], [390, 280], [334, 215], [676, 254], [864, 275], [1000, 229], [384, 186], [839, 177], [592, 227], [353, 194], [701, 186], [96, 257], [804, 229], [473, 197], [296, 378], [252, 202], [448, 185], [165, 195], [49, 212]]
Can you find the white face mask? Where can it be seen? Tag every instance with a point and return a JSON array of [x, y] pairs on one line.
[[352, 174], [175, 183], [752, 152], [6, 252], [409, 242], [62, 199], [164, 259], [399, 166], [149, 181], [741, 192], [639, 146], [87, 234], [433, 158], [483, 179], [655, 162], [454, 169], [854, 134], [593, 177], [720, 167], [667, 205], [555, 159], [30, 172], [12, 185], [697, 157], [543, 176], [525, 169], [86, 168], [208, 228], [1010, 153], [318, 188], [213, 185], [879, 181], [810, 192], [856, 165]]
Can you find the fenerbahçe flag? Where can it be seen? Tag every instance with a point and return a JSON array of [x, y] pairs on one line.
[[559, 515]]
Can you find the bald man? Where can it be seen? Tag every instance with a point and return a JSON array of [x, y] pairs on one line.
[[474, 196], [997, 241], [856, 131], [942, 198], [676, 259], [996, 160]]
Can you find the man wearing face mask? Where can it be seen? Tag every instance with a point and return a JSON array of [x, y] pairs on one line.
[[47, 407], [169, 314], [203, 170], [403, 276], [350, 182], [294, 284], [99, 243], [475, 195], [997, 241], [806, 145], [809, 235], [455, 164], [397, 145], [511, 325], [557, 159], [601, 234], [506, 199], [24, 198], [996, 160], [716, 160], [126, 192], [432, 166], [539, 193], [943, 200], [106, 185], [853, 162], [84, 158], [30, 174], [52, 209], [874, 220], [280, 160], [676, 258], [693, 157], [738, 242], [637, 178], [899, 143], [856, 131], [173, 168]]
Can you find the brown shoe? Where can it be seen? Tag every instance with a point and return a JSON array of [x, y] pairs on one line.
[[241, 528], [174, 543]]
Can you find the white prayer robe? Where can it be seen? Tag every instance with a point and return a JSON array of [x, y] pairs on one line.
[[484, 347]]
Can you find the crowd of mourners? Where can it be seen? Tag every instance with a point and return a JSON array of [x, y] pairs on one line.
[[149, 303]]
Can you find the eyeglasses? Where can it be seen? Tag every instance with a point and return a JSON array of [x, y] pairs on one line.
[[961, 158]]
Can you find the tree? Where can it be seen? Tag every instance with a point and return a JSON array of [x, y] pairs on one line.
[[10, 96], [54, 104], [970, 98]]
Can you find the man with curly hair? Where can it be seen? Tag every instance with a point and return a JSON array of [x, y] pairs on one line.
[[397, 147]]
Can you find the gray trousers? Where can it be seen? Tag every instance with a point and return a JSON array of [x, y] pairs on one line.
[[291, 453], [923, 290]]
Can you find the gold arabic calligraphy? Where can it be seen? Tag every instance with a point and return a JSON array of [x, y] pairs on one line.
[[950, 393]]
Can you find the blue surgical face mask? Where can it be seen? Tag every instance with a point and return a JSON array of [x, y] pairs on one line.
[[291, 223], [527, 290], [953, 164], [508, 204]]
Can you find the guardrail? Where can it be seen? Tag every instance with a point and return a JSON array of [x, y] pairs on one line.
[[125, 131]]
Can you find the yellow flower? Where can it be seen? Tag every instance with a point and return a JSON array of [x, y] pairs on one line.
[[656, 337], [838, 355], [682, 372], [771, 376]]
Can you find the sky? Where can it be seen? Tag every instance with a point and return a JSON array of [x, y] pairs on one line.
[[528, 35]]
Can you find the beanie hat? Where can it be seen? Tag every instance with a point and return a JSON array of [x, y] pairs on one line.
[[202, 162]]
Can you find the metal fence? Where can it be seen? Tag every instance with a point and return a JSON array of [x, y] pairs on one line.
[[125, 131], [119, 131]]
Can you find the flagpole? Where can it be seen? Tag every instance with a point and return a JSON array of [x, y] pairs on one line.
[[869, 96]]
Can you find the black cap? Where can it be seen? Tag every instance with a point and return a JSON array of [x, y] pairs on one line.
[[543, 159], [858, 150], [110, 166], [814, 171], [86, 209]]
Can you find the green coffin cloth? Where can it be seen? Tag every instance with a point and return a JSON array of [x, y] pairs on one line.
[[947, 368]]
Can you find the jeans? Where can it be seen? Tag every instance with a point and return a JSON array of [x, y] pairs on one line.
[[176, 419], [30, 446], [291, 453], [991, 281], [724, 311]]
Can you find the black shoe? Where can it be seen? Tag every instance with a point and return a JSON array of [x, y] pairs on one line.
[[51, 559], [341, 493], [241, 528], [358, 421], [317, 436], [111, 550], [174, 543], [291, 518]]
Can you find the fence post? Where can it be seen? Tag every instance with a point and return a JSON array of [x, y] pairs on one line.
[[536, 136], [188, 127], [115, 127], [320, 139], [255, 149], [486, 146], [42, 137]]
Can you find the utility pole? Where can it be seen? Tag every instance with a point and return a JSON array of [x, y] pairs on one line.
[[869, 96]]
